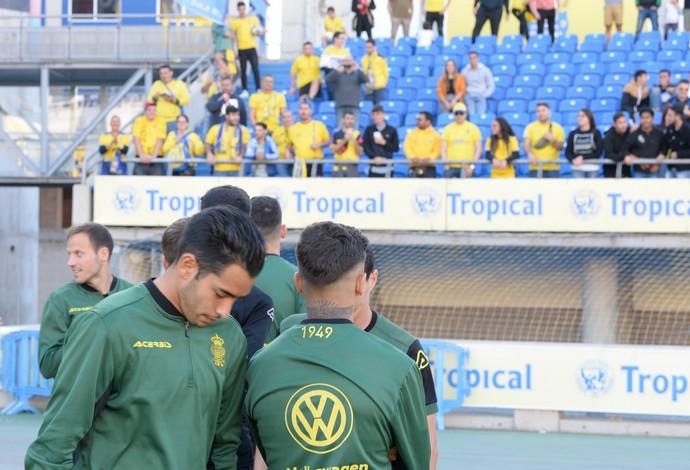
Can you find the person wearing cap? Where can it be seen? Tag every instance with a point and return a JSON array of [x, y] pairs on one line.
[[148, 134], [423, 147], [461, 140], [543, 141], [226, 144], [380, 142]]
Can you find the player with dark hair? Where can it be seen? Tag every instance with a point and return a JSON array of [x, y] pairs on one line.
[[381, 327], [170, 240], [89, 248], [154, 376], [277, 277], [336, 411]]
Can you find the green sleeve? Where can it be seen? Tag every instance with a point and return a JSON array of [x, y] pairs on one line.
[[409, 423], [51, 338], [272, 329], [227, 438], [86, 374]]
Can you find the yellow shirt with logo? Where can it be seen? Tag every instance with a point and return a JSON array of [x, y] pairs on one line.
[[377, 67], [435, 6], [334, 25], [106, 140], [534, 132], [226, 145], [422, 144], [148, 133], [174, 150], [267, 107], [461, 141], [166, 110], [307, 69], [302, 135], [350, 154], [243, 27], [280, 137], [503, 152]]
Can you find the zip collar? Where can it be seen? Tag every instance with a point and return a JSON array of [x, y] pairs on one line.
[[163, 303], [372, 323], [334, 321], [113, 285]]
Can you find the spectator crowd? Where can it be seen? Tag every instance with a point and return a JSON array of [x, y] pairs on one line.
[[258, 135]]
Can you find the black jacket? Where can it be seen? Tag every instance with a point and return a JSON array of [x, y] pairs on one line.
[[613, 150], [372, 149], [254, 313], [678, 141], [588, 144], [215, 104], [645, 145]]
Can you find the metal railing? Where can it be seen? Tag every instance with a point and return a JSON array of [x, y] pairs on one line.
[[122, 38], [389, 165]]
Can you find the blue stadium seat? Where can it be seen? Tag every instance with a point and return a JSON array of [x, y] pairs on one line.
[[430, 51], [326, 107], [402, 94], [540, 43], [509, 47], [441, 60], [620, 68], [430, 82], [394, 119], [532, 69], [421, 61], [499, 94], [652, 68], [437, 71], [623, 39], [587, 79], [572, 105], [365, 107], [412, 82], [511, 106], [410, 121], [556, 116], [614, 56], [328, 119], [483, 119], [593, 67], [567, 43], [410, 40], [528, 80], [491, 105], [395, 72], [641, 57], [652, 45], [677, 41], [417, 71], [676, 77], [681, 67], [392, 83], [397, 61], [443, 120], [551, 93], [364, 119], [593, 43], [483, 48], [529, 58], [504, 69], [499, 59], [422, 105], [402, 49], [395, 106], [427, 94], [616, 79], [524, 93], [516, 119], [563, 68], [603, 120], [610, 91], [455, 50], [558, 80], [513, 39], [585, 57], [669, 56], [557, 58], [580, 92], [532, 106], [603, 104], [490, 41], [503, 81], [461, 40]]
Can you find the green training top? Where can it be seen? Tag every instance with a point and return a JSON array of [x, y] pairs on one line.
[[60, 308], [328, 395], [390, 332], [276, 280], [139, 387]]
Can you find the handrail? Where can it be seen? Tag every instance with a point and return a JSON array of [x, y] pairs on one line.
[[115, 18]]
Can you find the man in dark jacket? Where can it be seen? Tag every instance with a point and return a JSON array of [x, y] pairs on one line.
[[217, 104], [346, 82], [380, 141], [488, 10], [647, 143], [614, 140], [677, 142]]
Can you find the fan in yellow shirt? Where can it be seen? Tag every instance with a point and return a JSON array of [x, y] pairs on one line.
[[543, 142], [267, 105], [502, 149], [331, 25], [434, 12], [307, 139], [148, 135], [183, 145], [375, 68], [227, 143], [423, 147], [305, 74], [169, 95], [245, 30], [461, 140], [113, 146], [346, 147], [280, 135]]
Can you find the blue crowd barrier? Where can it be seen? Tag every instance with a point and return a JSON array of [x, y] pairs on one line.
[[20, 374], [446, 404]]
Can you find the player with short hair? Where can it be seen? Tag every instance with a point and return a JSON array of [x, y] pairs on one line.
[[89, 248], [277, 276], [343, 397], [154, 377], [170, 240], [381, 327]]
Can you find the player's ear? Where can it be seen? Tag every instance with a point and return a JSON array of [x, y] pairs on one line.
[[103, 254], [361, 284], [298, 283], [283, 231], [187, 266], [373, 279]]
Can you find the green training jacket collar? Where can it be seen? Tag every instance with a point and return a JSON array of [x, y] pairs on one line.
[[168, 308]]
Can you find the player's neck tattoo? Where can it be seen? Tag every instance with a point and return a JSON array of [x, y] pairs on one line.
[[328, 309]]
